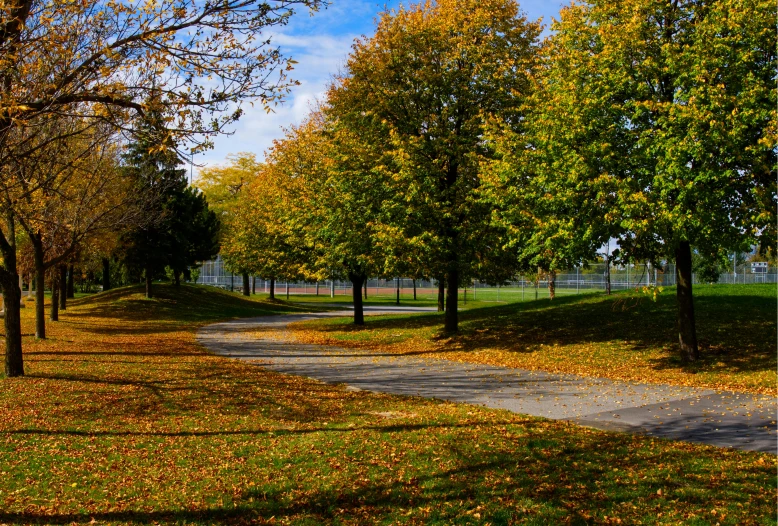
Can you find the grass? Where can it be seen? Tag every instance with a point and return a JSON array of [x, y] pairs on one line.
[[124, 419], [625, 336], [484, 297]]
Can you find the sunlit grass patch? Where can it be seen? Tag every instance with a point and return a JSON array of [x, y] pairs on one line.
[[625, 336]]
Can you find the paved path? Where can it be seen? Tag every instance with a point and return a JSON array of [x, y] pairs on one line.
[[721, 418]]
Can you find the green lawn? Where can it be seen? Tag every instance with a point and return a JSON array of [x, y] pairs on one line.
[[625, 336], [124, 419]]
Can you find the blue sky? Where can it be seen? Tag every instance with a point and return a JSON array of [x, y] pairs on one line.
[[320, 44]]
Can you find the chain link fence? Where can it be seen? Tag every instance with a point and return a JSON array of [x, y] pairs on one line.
[[576, 281]]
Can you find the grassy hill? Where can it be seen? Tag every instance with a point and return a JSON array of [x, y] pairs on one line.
[[183, 304]]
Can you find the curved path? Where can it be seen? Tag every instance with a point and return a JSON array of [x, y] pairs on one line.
[[721, 418]]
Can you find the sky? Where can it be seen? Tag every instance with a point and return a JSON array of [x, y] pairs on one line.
[[320, 44]]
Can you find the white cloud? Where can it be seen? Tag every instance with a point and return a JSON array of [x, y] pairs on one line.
[[320, 45]]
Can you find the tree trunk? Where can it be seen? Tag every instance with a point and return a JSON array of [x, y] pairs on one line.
[[441, 295], [687, 332], [452, 300], [149, 290], [398, 291], [246, 284], [176, 278], [63, 287], [40, 286], [253, 284], [12, 296], [414, 290], [71, 291], [54, 308], [607, 275], [317, 288], [365, 287], [357, 280], [21, 291], [106, 274], [551, 284], [272, 288]]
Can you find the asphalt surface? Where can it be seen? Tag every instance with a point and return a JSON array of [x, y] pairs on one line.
[[720, 418]]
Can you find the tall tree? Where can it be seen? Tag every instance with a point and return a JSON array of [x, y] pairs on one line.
[[663, 117], [222, 185], [182, 229], [429, 79]]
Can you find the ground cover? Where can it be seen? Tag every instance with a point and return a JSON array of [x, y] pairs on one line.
[[626, 336], [123, 418], [483, 297]]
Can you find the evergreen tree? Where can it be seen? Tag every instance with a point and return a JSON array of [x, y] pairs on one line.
[[181, 229]]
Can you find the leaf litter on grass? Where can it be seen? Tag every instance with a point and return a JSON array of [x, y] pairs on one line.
[[124, 419]]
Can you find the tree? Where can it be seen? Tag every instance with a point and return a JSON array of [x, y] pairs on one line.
[[222, 185], [665, 112], [102, 61], [428, 81], [71, 189], [182, 229]]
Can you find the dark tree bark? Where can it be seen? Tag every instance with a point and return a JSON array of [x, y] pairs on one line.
[[357, 281], [40, 286], [551, 284], [12, 296], [452, 301], [106, 274], [414, 290], [246, 284], [272, 288], [149, 289], [253, 284], [71, 286], [54, 308], [687, 332], [63, 287], [441, 295], [176, 278], [398, 291], [607, 275]]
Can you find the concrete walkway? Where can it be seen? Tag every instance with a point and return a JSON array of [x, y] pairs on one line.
[[725, 419]]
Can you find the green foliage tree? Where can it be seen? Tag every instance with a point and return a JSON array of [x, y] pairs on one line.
[[428, 81], [660, 121], [222, 185], [182, 229]]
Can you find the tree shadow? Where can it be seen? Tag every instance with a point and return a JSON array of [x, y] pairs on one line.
[[540, 479]]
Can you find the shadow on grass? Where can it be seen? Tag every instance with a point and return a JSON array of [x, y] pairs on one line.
[[539, 486], [736, 331]]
